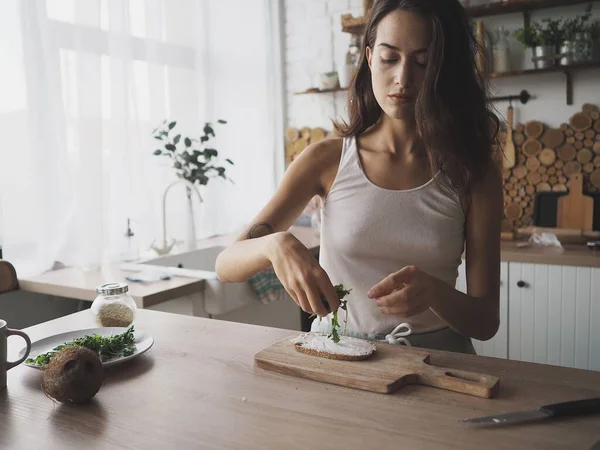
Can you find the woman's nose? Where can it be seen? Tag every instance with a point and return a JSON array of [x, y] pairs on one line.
[[403, 74]]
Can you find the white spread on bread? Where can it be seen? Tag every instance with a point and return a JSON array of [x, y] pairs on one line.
[[346, 346]]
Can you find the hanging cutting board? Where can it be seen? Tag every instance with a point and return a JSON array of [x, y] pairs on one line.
[[575, 210], [509, 145], [386, 371]]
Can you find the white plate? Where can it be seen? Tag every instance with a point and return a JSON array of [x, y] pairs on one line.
[[143, 342]]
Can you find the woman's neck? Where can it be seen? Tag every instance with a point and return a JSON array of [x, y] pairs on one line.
[[398, 137]]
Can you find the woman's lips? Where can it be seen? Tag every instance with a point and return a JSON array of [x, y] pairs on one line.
[[402, 99]]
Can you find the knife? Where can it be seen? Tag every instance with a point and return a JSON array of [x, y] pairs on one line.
[[574, 408]]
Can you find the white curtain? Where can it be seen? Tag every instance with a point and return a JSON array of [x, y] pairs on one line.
[[82, 86]]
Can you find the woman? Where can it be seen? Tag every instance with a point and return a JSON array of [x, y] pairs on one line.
[[409, 183]]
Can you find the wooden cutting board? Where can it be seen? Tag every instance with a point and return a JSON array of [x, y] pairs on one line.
[[575, 210], [509, 145], [386, 371]]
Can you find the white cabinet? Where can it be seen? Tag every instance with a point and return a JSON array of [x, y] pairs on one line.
[[549, 314], [496, 347], [554, 315]]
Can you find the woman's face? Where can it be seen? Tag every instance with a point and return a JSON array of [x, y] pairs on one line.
[[398, 61]]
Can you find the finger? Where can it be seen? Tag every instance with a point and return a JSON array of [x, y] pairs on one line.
[[401, 301], [303, 301], [314, 298], [392, 282], [328, 292]]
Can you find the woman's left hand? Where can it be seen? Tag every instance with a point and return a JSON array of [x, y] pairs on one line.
[[406, 293]]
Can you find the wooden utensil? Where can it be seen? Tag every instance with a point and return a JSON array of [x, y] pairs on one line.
[[509, 146], [575, 210], [386, 371]]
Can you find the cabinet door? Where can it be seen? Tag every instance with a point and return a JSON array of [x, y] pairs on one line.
[[496, 347], [554, 315]]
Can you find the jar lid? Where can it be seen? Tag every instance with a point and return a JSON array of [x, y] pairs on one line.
[[112, 288]]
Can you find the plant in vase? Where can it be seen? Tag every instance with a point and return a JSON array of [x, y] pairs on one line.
[[195, 165], [594, 30], [577, 38], [529, 39]]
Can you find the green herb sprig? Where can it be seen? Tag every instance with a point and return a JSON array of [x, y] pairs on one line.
[[107, 348], [335, 324]]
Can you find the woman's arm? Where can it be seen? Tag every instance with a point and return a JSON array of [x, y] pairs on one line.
[[411, 291], [266, 241]]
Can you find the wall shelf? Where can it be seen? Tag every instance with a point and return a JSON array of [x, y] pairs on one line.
[[567, 70], [356, 25], [320, 91]]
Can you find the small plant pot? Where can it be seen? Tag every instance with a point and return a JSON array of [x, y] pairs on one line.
[[566, 50], [543, 56]]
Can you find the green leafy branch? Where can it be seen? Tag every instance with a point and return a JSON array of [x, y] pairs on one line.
[[192, 159], [335, 324]]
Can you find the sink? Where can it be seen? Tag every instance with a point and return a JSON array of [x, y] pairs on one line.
[[216, 298]]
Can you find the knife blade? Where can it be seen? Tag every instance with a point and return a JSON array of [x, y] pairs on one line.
[[573, 408]]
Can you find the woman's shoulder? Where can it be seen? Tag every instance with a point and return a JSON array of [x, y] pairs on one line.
[[322, 154]]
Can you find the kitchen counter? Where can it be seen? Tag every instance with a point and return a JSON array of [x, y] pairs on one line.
[[75, 283], [198, 388], [78, 284]]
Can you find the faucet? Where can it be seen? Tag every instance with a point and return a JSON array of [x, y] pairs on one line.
[[191, 232]]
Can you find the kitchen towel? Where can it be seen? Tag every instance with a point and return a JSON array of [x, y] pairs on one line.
[[267, 286]]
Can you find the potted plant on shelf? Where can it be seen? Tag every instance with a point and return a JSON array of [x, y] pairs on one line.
[[529, 39], [594, 30], [578, 41], [195, 165]]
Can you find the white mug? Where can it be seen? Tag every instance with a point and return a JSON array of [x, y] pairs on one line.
[[4, 364]]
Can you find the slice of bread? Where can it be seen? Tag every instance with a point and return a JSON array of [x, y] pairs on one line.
[[348, 349]]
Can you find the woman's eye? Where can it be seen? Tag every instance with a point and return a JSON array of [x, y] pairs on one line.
[[388, 61], [420, 63]]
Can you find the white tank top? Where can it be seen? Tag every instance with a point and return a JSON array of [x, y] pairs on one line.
[[368, 232]]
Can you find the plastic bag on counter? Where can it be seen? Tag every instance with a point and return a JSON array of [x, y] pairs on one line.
[[545, 240]]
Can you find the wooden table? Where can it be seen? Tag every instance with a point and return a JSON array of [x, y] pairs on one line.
[[198, 388]]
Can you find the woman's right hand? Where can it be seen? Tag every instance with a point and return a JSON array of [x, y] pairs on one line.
[[301, 275]]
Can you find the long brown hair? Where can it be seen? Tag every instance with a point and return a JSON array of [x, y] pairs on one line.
[[455, 125]]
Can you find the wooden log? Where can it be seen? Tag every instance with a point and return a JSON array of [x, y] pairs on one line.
[[529, 210], [518, 139], [589, 108], [513, 193], [596, 147], [570, 140], [532, 163], [547, 156], [534, 129], [578, 145], [571, 168], [595, 178], [559, 164], [580, 121], [579, 135], [588, 143], [553, 180], [559, 172], [595, 115], [531, 147], [520, 172], [543, 187], [523, 204], [553, 138], [305, 133], [559, 188], [597, 126], [542, 169], [509, 186], [534, 177], [520, 128], [569, 132], [584, 155], [513, 211], [564, 126], [513, 179], [590, 134], [523, 182], [521, 160], [551, 170], [545, 177], [588, 167], [562, 180], [596, 161], [566, 153], [529, 189], [505, 174], [292, 134], [317, 134]]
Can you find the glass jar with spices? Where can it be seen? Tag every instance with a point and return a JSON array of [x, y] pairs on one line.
[[113, 307]]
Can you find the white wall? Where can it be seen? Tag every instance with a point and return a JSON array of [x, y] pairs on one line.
[[314, 43]]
